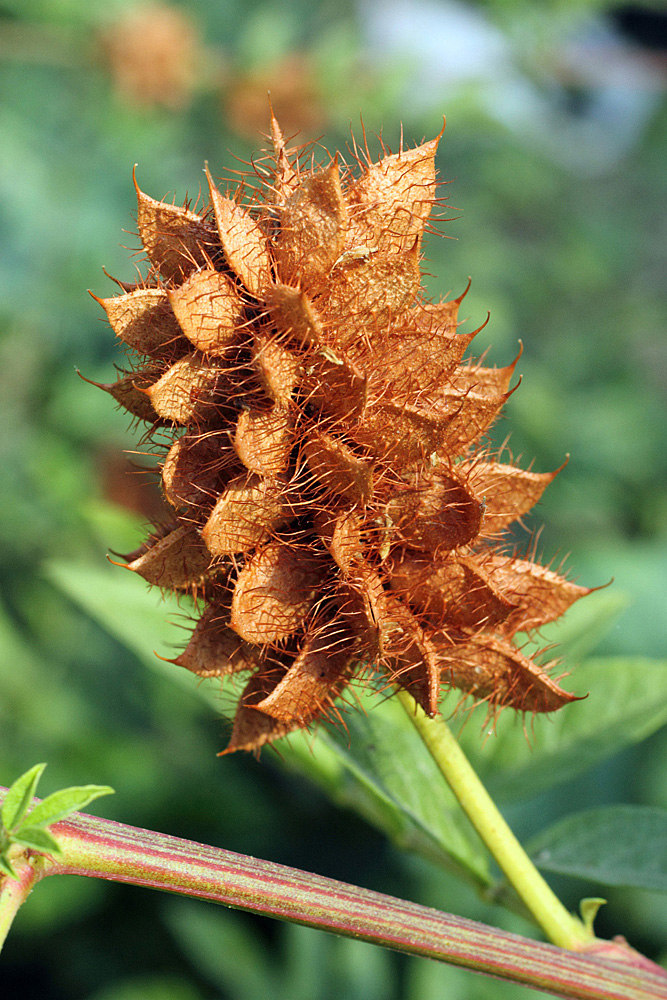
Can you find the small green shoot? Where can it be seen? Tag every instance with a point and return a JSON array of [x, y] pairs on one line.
[[28, 828], [588, 908]]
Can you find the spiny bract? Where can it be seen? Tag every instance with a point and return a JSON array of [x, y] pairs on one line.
[[335, 507]]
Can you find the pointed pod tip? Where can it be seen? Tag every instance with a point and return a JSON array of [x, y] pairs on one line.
[[125, 285], [510, 392], [600, 586], [277, 137], [465, 291], [415, 250], [115, 562], [106, 386], [232, 747], [167, 659], [485, 323]]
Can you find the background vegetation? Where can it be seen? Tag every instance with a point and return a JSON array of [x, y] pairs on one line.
[[555, 146]]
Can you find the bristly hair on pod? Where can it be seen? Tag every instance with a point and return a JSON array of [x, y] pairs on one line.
[[335, 499]]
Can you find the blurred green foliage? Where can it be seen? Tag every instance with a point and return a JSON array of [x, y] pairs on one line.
[[559, 182]]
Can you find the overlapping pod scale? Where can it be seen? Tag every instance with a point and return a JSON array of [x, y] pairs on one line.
[[493, 670], [315, 677], [361, 598], [294, 314], [263, 440], [442, 315], [336, 468], [455, 592], [384, 625], [539, 595], [492, 383], [342, 534], [208, 309], [336, 386], [311, 234], [193, 467], [418, 670], [442, 424], [286, 176], [436, 513], [130, 394], [144, 320], [215, 650], [401, 433], [277, 367], [242, 240], [247, 512], [253, 729], [508, 492], [393, 198], [275, 592], [468, 415], [366, 294], [337, 508], [186, 392], [408, 361], [176, 240], [423, 349], [176, 561]]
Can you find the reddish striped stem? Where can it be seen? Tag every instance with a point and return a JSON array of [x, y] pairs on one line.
[[105, 849]]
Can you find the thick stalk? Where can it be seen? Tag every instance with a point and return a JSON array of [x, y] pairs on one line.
[[104, 849], [560, 926]]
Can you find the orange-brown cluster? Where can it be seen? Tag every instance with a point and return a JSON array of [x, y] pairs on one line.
[[335, 508], [154, 55]]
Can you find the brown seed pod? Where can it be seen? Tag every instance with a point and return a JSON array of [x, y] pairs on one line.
[[336, 502]]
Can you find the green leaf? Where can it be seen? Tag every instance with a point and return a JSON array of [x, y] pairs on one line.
[[142, 619], [117, 526], [377, 764], [224, 948], [60, 804], [627, 701], [19, 797], [37, 839], [6, 867], [614, 845]]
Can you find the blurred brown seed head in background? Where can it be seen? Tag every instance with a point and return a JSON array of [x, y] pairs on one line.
[[154, 54]]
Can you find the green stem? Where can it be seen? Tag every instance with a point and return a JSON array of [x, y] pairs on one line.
[[14, 892], [560, 926]]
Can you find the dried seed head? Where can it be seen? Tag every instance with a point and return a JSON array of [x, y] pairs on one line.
[[335, 502], [154, 55]]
